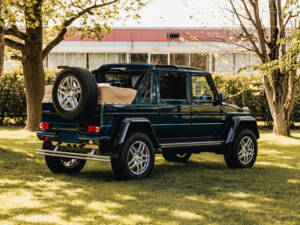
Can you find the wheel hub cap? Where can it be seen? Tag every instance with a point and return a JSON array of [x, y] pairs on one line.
[[69, 93], [246, 150], [138, 157]]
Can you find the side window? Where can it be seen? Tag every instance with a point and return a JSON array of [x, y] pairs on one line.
[[172, 86], [145, 91], [202, 90], [144, 95]]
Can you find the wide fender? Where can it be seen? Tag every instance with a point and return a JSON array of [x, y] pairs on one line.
[[136, 124], [239, 123]]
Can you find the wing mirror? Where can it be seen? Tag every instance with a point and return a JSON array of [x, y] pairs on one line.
[[222, 97]]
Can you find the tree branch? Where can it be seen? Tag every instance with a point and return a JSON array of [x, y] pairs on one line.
[[13, 44], [67, 23], [17, 58], [14, 31], [255, 48]]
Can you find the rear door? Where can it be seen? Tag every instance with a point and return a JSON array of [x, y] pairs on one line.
[[173, 104], [206, 117]]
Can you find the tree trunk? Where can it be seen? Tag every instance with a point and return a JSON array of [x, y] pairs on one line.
[[276, 99], [34, 83], [1, 47]]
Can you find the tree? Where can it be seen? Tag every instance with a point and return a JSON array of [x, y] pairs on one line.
[[34, 27], [1, 43], [277, 47]]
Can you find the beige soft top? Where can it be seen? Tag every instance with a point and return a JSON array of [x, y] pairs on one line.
[[107, 94]]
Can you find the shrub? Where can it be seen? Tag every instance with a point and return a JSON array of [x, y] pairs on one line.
[[13, 97], [248, 90]]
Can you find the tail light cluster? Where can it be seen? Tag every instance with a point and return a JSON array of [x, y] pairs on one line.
[[44, 126], [94, 129], [91, 129]]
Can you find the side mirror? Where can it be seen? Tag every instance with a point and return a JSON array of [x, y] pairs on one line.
[[222, 97]]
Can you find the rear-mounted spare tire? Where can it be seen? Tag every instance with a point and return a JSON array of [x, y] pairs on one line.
[[75, 93]]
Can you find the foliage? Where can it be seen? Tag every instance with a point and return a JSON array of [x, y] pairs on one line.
[[55, 18], [13, 96], [203, 191], [248, 90]]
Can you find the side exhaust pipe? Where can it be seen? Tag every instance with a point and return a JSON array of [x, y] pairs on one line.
[[73, 155]]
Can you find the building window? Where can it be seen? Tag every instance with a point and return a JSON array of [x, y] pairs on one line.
[[224, 63], [159, 59], [96, 60], [179, 59], [75, 59], [200, 60], [55, 60], [139, 58], [116, 58]]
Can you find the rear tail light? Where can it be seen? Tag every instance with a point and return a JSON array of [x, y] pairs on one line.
[[44, 126], [94, 129], [62, 67]]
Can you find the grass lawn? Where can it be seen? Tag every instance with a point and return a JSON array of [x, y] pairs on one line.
[[200, 192]]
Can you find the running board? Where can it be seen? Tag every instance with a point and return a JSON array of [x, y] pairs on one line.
[[73, 155], [191, 144]]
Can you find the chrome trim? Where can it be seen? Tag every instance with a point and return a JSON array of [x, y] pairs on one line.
[[191, 144], [73, 155]]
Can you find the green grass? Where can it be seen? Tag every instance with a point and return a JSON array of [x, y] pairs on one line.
[[200, 192]]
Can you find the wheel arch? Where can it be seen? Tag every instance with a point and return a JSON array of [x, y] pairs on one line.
[[140, 124], [240, 123]]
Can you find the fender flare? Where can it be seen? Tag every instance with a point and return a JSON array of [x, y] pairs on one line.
[[240, 122], [128, 123]]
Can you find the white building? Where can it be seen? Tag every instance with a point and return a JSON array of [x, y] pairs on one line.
[[213, 49]]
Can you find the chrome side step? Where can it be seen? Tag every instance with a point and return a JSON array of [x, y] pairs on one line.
[[73, 155], [191, 144]]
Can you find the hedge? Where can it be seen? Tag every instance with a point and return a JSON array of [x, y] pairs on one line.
[[13, 97], [241, 90]]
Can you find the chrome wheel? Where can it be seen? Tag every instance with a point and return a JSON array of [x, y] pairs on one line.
[[138, 157], [181, 155], [246, 150], [69, 93], [69, 163]]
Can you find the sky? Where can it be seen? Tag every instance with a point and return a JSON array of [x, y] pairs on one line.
[[175, 13]]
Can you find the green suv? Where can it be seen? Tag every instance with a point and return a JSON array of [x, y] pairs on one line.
[[175, 111]]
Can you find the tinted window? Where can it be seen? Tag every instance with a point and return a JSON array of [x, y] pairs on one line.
[[146, 87], [202, 90], [172, 85]]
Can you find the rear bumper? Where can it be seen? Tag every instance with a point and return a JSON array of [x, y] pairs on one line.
[[62, 137]]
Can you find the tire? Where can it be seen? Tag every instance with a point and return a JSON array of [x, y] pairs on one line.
[[179, 157], [75, 93], [60, 165], [243, 151], [126, 166]]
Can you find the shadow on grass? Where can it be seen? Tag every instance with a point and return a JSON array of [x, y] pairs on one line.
[[202, 191]]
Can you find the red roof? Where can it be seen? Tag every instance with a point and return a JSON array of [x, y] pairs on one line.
[[159, 34]]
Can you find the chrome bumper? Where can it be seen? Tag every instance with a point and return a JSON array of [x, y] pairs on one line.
[[73, 155]]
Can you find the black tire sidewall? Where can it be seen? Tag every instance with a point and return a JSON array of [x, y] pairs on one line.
[[56, 166], [234, 149], [89, 93], [124, 151]]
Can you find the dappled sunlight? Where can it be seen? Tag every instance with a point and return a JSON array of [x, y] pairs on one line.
[[293, 181], [186, 215], [18, 199], [125, 197], [240, 195], [274, 164], [203, 191], [240, 204]]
